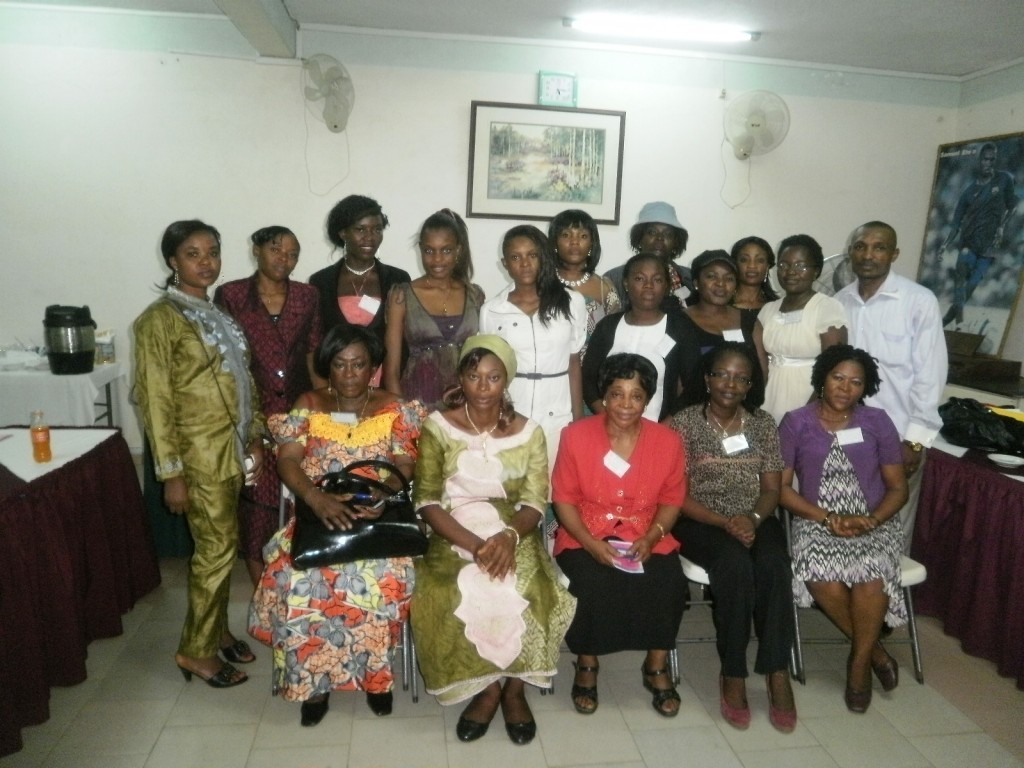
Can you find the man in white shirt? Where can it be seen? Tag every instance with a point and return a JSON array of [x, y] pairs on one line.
[[897, 321]]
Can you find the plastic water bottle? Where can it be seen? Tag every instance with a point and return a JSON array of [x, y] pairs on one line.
[[40, 433]]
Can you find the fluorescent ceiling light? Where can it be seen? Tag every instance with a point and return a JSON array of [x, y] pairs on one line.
[[621, 25]]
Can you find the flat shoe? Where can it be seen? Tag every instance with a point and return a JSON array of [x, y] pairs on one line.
[[584, 692], [660, 696], [470, 730], [888, 674], [238, 652], [380, 703], [313, 711], [521, 733], [857, 701], [737, 717], [225, 677]]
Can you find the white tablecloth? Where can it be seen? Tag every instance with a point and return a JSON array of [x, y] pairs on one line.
[[65, 400], [65, 445]]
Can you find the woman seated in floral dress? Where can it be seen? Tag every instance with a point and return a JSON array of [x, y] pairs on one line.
[[336, 627]]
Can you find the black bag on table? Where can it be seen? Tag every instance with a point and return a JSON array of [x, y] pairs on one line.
[[968, 423], [396, 533]]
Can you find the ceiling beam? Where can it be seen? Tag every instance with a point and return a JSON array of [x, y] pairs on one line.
[[266, 24]]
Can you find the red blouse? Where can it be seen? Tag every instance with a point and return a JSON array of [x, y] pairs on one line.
[[613, 506]]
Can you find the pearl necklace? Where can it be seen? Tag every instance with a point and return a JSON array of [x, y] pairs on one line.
[[575, 283], [356, 272], [481, 433]]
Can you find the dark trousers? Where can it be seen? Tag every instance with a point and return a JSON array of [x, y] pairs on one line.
[[755, 582]]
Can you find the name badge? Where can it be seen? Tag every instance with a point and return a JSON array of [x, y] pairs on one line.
[[792, 318], [735, 444], [369, 304], [849, 436], [665, 346], [733, 334], [343, 417], [618, 465]]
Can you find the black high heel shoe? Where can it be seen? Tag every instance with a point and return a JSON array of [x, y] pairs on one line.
[[313, 711], [238, 652], [380, 703], [225, 677]]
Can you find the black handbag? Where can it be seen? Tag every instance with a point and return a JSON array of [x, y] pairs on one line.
[[968, 423], [396, 533]]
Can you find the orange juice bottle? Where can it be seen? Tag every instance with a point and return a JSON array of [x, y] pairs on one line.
[[40, 438]]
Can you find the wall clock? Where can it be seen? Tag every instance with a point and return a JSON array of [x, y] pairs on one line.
[[556, 89]]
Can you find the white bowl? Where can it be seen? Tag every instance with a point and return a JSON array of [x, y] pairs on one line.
[[1006, 460]]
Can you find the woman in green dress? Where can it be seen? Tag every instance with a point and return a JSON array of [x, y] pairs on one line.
[[487, 606]]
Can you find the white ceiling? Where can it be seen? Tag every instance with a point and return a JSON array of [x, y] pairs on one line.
[[950, 38]]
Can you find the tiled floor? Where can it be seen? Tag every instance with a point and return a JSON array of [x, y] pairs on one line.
[[135, 710]]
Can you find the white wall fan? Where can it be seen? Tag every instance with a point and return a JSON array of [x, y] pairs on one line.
[[330, 94], [755, 122]]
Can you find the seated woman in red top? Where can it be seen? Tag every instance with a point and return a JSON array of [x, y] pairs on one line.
[[618, 484]]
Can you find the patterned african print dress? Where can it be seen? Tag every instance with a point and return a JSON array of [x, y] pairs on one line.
[[335, 628], [472, 630]]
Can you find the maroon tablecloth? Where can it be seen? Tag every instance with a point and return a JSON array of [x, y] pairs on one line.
[[970, 535], [76, 553]]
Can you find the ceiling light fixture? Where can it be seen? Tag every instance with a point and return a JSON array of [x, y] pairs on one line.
[[621, 25]]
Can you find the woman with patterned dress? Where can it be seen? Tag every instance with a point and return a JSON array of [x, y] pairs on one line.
[[433, 315], [797, 327], [335, 628], [728, 527], [281, 320], [353, 291], [847, 538], [488, 607], [577, 244], [546, 325], [620, 479], [202, 415]]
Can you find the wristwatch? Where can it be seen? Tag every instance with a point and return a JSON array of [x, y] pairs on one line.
[[915, 447], [757, 518]]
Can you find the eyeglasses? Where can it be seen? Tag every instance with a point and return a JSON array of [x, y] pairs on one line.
[[743, 381], [799, 268]]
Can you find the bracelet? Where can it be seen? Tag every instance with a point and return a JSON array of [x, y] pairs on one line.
[[660, 528], [824, 520], [513, 531], [756, 517]]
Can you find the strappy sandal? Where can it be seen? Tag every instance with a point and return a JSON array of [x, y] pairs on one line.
[[238, 652], [583, 692], [660, 696]]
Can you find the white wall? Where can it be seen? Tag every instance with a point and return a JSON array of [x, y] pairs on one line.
[[102, 148]]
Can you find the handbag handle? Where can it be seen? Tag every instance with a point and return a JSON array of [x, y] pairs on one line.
[[380, 465]]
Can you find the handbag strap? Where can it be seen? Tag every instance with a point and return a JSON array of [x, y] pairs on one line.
[[380, 465]]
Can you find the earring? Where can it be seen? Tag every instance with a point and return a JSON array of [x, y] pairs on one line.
[[604, 403], [176, 281], [821, 393]]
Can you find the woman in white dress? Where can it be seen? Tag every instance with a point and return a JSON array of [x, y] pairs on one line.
[[546, 326], [798, 327]]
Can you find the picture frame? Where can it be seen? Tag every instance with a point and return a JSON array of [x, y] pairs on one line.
[[530, 162], [973, 249]]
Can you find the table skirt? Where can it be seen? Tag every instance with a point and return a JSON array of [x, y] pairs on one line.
[[969, 534], [77, 553]]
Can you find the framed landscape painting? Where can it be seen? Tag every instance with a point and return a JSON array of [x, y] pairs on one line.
[[973, 249], [530, 162]]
